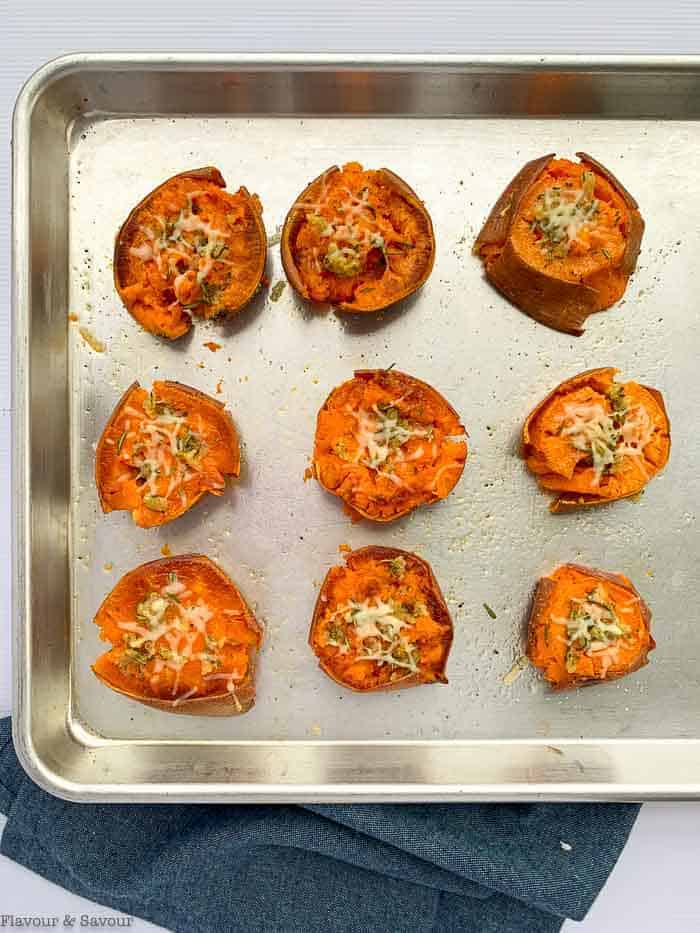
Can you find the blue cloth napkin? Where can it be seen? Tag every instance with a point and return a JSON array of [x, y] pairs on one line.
[[452, 868]]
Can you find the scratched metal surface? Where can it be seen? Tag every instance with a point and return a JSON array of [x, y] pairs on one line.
[[490, 540]]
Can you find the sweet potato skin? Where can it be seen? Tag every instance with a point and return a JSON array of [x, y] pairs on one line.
[[401, 383], [295, 218], [554, 301], [104, 455], [214, 704], [567, 502], [434, 600], [196, 706], [498, 223], [634, 239], [181, 321], [542, 597]]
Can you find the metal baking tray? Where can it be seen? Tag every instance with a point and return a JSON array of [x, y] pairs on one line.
[[92, 135]]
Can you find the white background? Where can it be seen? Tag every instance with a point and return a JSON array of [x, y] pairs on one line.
[[654, 886]]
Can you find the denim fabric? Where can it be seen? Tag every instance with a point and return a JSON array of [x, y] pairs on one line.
[[453, 868]]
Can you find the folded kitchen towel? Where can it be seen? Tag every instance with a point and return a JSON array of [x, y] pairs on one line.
[[448, 868]]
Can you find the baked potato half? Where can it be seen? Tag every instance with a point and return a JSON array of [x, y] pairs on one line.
[[182, 639], [381, 622], [190, 246], [387, 443], [358, 239], [162, 450], [587, 626], [562, 240], [593, 440]]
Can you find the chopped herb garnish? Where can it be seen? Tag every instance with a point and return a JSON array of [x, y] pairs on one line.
[[343, 261], [592, 625], [616, 394], [397, 566], [490, 611], [340, 450], [276, 290], [337, 637], [139, 657], [121, 440], [156, 503], [150, 405], [559, 215], [209, 293], [189, 446]]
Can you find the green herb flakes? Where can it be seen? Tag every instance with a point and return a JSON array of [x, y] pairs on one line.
[[156, 503], [276, 290]]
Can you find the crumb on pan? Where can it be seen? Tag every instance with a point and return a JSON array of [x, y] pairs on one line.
[[97, 345], [516, 670]]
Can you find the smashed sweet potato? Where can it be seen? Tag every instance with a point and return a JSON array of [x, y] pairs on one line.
[[182, 639], [162, 450], [381, 622], [587, 626], [562, 240], [358, 239], [387, 443], [593, 440], [190, 246]]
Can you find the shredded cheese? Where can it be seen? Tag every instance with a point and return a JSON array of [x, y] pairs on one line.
[[561, 213], [165, 450], [381, 432], [593, 628], [165, 632], [188, 241], [346, 242], [607, 436], [378, 627]]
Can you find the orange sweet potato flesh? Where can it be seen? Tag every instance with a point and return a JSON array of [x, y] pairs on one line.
[[562, 468], [425, 453], [191, 458], [359, 239], [402, 583], [587, 273], [198, 658], [547, 632], [189, 246]]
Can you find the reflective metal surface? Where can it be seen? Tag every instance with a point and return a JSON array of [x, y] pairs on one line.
[[92, 135]]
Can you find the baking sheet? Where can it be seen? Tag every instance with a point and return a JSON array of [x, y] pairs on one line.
[[490, 540]]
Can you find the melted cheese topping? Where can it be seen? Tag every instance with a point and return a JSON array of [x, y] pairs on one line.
[[607, 436], [346, 242], [164, 449], [183, 249], [380, 435], [164, 634], [561, 213], [593, 628], [378, 628], [591, 429]]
